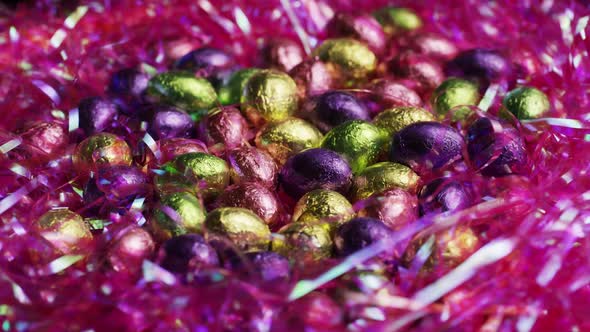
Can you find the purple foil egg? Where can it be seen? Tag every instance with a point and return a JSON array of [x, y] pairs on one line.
[[442, 195], [96, 114], [315, 169], [174, 147], [170, 122], [426, 145], [128, 82], [486, 65], [496, 149], [249, 164], [359, 233], [187, 253], [267, 265], [210, 63], [362, 27], [336, 107]]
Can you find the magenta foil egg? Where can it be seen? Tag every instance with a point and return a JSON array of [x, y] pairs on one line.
[[96, 114], [225, 127], [395, 208], [250, 164], [43, 139], [282, 54], [128, 247], [362, 27], [253, 196]]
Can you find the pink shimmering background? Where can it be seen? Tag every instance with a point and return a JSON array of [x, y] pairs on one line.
[[533, 273]]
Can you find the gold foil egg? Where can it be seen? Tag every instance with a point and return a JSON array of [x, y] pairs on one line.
[[269, 96], [351, 58], [452, 93], [395, 119], [284, 139], [303, 241], [323, 205], [231, 92], [527, 103], [209, 173], [177, 213], [243, 227], [99, 150], [381, 177], [65, 229], [396, 19]]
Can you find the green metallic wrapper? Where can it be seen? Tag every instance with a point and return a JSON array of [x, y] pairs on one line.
[[381, 177], [269, 96], [352, 59], [527, 103], [101, 149], [65, 229], [178, 213], [243, 227], [323, 205], [455, 92], [284, 139]]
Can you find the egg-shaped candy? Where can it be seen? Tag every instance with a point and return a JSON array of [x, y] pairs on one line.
[[362, 27], [352, 59], [282, 54], [484, 65], [207, 62], [266, 265], [286, 138], [187, 253], [173, 147], [128, 82], [395, 207], [209, 174], [441, 195], [269, 96], [304, 241], [224, 127], [455, 92], [99, 150], [359, 233], [128, 248], [381, 177], [397, 19], [65, 230], [96, 114], [390, 93], [322, 205], [184, 90], [231, 92], [393, 120], [176, 214], [43, 139], [333, 108], [170, 122], [313, 77], [243, 227], [253, 196], [250, 164], [526, 103]]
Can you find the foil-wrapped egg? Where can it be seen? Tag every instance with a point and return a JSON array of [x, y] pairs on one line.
[[176, 214], [171, 122], [381, 177], [359, 233], [362, 27], [187, 253], [389, 93], [304, 242], [425, 71], [452, 93], [281, 53], [253, 196], [527, 103], [397, 19], [322, 205], [128, 248], [100, 150], [286, 138], [119, 184], [333, 108], [266, 265], [433, 45], [395, 207], [352, 59], [231, 92], [426, 146], [128, 82], [313, 77], [442, 194], [249, 164], [96, 114], [208, 173], [243, 227], [224, 127], [65, 230], [43, 139], [483, 65], [207, 62], [393, 120], [173, 147], [359, 142], [269, 96], [184, 90], [315, 169]]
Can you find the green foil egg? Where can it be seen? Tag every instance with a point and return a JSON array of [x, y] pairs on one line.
[[526, 103], [210, 174], [101, 149], [243, 227], [286, 138], [395, 119], [396, 19], [65, 229], [454, 92], [302, 241], [351, 58], [269, 96], [193, 94], [231, 92], [383, 176], [177, 213], [323, 205], [360, 142]]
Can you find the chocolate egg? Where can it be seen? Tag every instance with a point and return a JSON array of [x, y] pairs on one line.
[[353, 59], [231, 92], [426, 146], [442, 195], [315, 169], [434, 46], [184, 90], [526, 103], [286, 138], [96, 114], [249, 164], [323, 205], [170, 122], [100, 150], [128, 248], [496, 149], [224, 127], [282, 54], [267, 265], [485, 65], [187, 253], [128, 82], [269, 95], [313, 77], [42, 139], [208, 173], [253, 196], [334, 108], [119, 184], [395, 119], [425, 71], [381, 177], [65, 230], [304, 241], [206, 62], [396, 19], [174, 147], [395, 207], [177, 213], [359, 142], [390, 93], [454, 92], [359, 233], [243, 227], [362, 27]]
